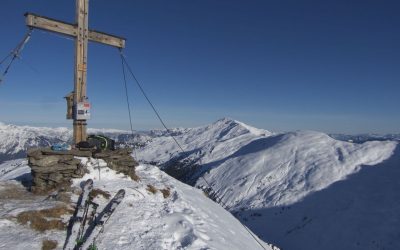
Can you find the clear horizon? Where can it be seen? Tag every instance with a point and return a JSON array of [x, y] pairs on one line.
[[170, 127], [281, 66]]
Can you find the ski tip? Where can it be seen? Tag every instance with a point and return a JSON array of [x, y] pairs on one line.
[[86, 184], [120, 193]]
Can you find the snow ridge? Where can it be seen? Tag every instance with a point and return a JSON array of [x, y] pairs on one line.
[[269, 181]]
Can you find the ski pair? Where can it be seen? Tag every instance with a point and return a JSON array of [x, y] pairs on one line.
[[75, 237], [96, 228], [78, 220]]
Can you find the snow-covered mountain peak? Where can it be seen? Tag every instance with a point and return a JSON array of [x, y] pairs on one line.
[[228, 123], [206, 143]]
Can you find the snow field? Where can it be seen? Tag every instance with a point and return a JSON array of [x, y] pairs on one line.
[[184, 220]]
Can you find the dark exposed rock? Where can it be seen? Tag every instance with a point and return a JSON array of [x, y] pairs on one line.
[[52, 169], [56, 177], [62, 168], [116, 154], [55, 169], [72, 152], [119, 160], [35, 153]]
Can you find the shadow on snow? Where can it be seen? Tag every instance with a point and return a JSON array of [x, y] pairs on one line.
[[360, 212]]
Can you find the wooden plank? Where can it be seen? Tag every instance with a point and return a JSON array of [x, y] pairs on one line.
[[104, 38], [81, 46], [49, 24]]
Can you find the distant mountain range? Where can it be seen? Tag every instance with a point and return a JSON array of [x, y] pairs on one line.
[[366, 137]]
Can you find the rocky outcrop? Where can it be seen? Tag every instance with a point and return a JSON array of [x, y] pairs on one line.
[[54, 169], [119, 160]]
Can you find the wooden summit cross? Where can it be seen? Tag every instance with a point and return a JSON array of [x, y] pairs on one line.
[[81, 33]]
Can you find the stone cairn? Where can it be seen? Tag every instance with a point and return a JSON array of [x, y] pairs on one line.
[[55, 169]]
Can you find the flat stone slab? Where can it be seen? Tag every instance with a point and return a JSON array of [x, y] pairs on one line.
[[46, 161], [73, 152], [55, 168]]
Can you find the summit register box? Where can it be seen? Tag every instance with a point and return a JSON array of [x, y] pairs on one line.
[[82, 111]]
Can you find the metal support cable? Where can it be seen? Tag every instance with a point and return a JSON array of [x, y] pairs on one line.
[[220, 202], [128, 103], [6, 57], [126, 94], [148, 100], [16, 53]]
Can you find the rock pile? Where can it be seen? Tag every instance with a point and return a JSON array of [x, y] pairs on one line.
[[54, 169], [119, 160], [51, 169]]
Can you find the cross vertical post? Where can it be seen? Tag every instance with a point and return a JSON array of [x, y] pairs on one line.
[[80, 76]]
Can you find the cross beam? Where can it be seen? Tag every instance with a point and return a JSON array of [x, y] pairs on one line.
[[70, 30], [81, 33]]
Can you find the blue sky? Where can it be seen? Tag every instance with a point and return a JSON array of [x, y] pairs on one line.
[[331, 66]]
